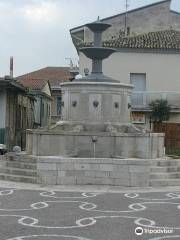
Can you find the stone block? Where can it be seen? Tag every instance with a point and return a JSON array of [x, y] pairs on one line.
[[124, 182], [46, 166], [82, 166], [120, 161], [139, 169], [121, 168], [48, 173], [106, 167], [97, 174], [47, 179], [66, 180], [75, 173], [65, 166], [119, 174], [139, 180], [61, 173], [94, 181], [94, 167]]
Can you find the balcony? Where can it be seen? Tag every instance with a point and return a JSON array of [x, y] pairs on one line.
[[140, 100]]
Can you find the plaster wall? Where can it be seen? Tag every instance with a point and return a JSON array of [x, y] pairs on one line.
[[162, 70], [152, 18], [46, 89]]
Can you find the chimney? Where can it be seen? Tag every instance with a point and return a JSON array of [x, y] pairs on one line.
[[11, 67]]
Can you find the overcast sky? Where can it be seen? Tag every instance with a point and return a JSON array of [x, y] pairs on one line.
[[36, 32]]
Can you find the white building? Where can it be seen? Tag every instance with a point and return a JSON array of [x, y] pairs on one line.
[[147, 58]]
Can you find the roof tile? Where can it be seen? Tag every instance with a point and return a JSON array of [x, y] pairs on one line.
[[55, 75], [160, 40], [34, 84]]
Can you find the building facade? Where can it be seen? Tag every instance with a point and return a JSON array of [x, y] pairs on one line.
[[151, 66], [154, 17], [148, 60], [41, 91], [17, 113], [55, 76]]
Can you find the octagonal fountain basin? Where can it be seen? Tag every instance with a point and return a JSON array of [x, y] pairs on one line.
[[94, 144]]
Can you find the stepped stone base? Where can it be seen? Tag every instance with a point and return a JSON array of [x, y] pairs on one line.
[[91, 171], [165, 172], [52, 170], [18, 168]]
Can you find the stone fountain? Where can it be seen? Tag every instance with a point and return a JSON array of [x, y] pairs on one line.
[[95, 132]]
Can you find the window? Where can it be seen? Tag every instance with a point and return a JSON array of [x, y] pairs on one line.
[[139, 82], [59, 103]]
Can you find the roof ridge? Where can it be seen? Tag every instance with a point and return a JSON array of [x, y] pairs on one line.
[[33, 83], [141, 34], [55, 75], [41, 70]]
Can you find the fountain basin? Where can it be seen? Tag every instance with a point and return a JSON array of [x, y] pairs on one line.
[[95, 109], [97, 53], [108, 144], [98, 26], [95, 143]]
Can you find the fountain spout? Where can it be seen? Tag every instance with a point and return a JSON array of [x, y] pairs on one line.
[[94, 141]]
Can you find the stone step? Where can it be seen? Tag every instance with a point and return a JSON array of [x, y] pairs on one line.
[[22, 158], [18, 178], [29, 158], [165, 169], [164, 163], [160, 175], [20, 165], [19, 171], [164, 182]]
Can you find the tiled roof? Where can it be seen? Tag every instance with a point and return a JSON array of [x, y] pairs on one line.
[[9, 82], [161, 40], [34, 84], [55, 75], [168, 39]]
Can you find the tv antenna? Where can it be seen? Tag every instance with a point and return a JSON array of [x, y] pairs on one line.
[[71, 61]]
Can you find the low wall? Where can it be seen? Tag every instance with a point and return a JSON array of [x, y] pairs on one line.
[[86, 171], [126, 145]]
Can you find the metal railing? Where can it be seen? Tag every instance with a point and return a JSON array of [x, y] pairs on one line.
[[141, 100]]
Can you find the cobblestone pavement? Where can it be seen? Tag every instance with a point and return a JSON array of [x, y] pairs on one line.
[[57, 215]]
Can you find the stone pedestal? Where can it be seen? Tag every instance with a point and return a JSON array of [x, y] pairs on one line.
[[96, 102]]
